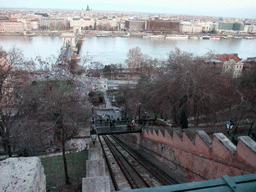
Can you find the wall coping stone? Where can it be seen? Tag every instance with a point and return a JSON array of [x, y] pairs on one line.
[[250, 143], [226, 142], [205, 137]]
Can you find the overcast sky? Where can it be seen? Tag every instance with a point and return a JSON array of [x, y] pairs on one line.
[[221, 8]]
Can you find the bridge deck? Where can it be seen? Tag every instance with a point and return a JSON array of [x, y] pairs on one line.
[[121, 129]]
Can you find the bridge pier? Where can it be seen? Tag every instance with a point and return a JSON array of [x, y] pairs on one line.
[[77, 30]]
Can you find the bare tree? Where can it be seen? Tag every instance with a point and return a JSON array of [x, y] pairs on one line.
[[63, 103], [186, 88], [134, 58], [96, 67], [12, 78]]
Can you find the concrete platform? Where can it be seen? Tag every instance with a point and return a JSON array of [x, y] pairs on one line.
[[96, 184], [95, 153], [95, 168]]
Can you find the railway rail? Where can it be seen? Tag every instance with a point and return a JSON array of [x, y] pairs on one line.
[[129, 170]]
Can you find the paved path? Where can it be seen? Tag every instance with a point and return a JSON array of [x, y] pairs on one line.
[[107, 101]]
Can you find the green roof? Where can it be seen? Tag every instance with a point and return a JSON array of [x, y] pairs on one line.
[[225, 184]]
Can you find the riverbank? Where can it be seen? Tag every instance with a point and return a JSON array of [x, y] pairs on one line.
[[88, 33], [124, 34], [35, 33]]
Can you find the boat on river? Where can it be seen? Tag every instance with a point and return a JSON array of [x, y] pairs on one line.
[[101, 35], [154, 36], [174, 37], [193, 37], [215, 38], [206, 37], [32, 35], [228, 37], [125, 35]]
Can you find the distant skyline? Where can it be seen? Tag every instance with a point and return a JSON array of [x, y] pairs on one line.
[[216, 8]]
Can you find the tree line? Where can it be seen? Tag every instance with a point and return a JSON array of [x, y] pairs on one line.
[[36, 114], [183, 87]]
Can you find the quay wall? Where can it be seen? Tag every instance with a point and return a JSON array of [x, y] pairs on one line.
[[198, 158]]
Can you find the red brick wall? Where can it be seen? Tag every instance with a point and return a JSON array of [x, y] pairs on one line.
[[201, 161], [197, 160]]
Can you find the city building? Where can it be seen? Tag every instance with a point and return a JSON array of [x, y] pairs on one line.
[[229, 26], [134, 25], [34, 24], [225, 25], [253, 29], [250, 28], [26, 24], [1, 26], [4, 17], [122, 25], [231, 64], [207, 26], [15, 25], [187, 27], [107, 23], [11, 26], [162, 26], [53, 23], [87, 13], [238, 26], [82, 23]]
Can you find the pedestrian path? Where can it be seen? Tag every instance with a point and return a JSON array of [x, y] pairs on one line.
[[107, 101]]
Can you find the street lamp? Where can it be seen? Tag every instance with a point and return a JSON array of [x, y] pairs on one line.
[[230, 125], [145, 118], [139, 112], [93, 135], [92, 115]]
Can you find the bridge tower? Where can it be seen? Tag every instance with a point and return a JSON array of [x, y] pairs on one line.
[[77, 29], [69, 38]]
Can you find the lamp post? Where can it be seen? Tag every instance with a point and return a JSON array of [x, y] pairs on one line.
[[145, 118], [139, 112], [92, 115], [250, 129], [93, 135], [233, 137], [230, 125]]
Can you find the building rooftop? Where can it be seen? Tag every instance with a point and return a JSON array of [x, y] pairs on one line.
[[227, 57]]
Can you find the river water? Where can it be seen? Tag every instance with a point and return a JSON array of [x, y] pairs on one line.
[[108, 50]]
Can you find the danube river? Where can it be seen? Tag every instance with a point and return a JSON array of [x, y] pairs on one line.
[[108, 50]]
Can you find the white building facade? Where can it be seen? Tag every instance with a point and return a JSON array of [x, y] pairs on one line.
[[233, 67], [187, 27]]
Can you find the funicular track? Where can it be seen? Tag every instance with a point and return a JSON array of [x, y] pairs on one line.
[[128, 170]]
